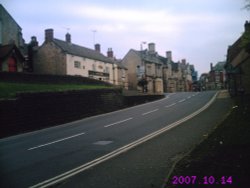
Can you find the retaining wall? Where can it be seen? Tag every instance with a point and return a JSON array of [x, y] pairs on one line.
[[40, 110], [20, 77]]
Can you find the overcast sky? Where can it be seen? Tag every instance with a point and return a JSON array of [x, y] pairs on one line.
[[197, 30]]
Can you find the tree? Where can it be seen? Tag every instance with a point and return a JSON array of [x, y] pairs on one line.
[[143, 83], [247, 5], [245, 39]]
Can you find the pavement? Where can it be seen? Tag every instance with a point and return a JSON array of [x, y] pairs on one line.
[[152, 163], [222, 160]]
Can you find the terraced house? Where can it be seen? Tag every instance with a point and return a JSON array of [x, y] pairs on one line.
[[60, 57], [144, 64], [161, 73]]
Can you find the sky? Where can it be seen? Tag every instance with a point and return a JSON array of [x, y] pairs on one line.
[[199, 31]]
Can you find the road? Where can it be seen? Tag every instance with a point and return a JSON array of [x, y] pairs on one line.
[[60, 152]]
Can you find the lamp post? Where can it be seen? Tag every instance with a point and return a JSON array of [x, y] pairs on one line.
[[142, 69]]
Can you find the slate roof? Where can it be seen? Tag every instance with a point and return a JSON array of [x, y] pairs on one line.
[[145, 56], [154, 58], [81, 51], [175, 66]]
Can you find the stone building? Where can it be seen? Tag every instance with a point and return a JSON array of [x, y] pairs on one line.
[[11, 59], [58, 57], [10, 31], [161, 73], [144, 64], [238, 64], [11, 43]]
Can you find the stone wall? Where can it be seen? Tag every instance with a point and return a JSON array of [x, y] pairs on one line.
[[35, 111], [47, 79]]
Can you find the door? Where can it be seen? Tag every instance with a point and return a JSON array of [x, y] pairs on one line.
[[12, 64]]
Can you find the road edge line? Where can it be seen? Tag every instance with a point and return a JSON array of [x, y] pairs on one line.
[[77, 170]]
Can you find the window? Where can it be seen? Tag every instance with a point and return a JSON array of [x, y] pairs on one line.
[[94, 67], [77, 64], [106, 69]]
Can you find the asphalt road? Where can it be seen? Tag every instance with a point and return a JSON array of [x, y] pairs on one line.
[[29, 159]]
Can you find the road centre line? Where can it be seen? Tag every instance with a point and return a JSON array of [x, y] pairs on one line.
[[79, 169], [60, 140], [170, 105], [118, 122], [150, 112], [182, 100]]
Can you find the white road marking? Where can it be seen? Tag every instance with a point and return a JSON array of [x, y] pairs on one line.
[[118, 122], [88, 165], [60, 140], [150, 112], [170, 105], [189, 97], [182, 100]]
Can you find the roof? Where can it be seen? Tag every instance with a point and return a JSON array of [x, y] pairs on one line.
[[120, 65], [4, 11], [146, 56], [219, 66], [234, 50], [175, 66], [7, 50], [81, 51]]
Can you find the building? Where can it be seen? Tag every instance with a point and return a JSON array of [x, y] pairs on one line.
[[145, 66], [62, 57], [238, 64], [159, 73], [12, 46], [216, 76], [203, 82], [11, 59], [10, 31]]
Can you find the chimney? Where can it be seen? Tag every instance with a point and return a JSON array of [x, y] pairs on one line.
[[34, 41], [151, 48], [68, 38], [247, 26], [169, 56], [211, 66], [110, 53], [98, 48], [49, 35]]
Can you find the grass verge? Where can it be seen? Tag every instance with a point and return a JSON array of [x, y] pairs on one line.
[[9, 90]]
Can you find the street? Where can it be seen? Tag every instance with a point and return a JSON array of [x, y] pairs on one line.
[[60, 152]]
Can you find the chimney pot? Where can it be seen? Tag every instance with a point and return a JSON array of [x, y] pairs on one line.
[[34, 41], [98, 48], [110, 53], [151, 48], [183, 61], [49, 35], [211, 66], [169, 56], [68, 38]]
